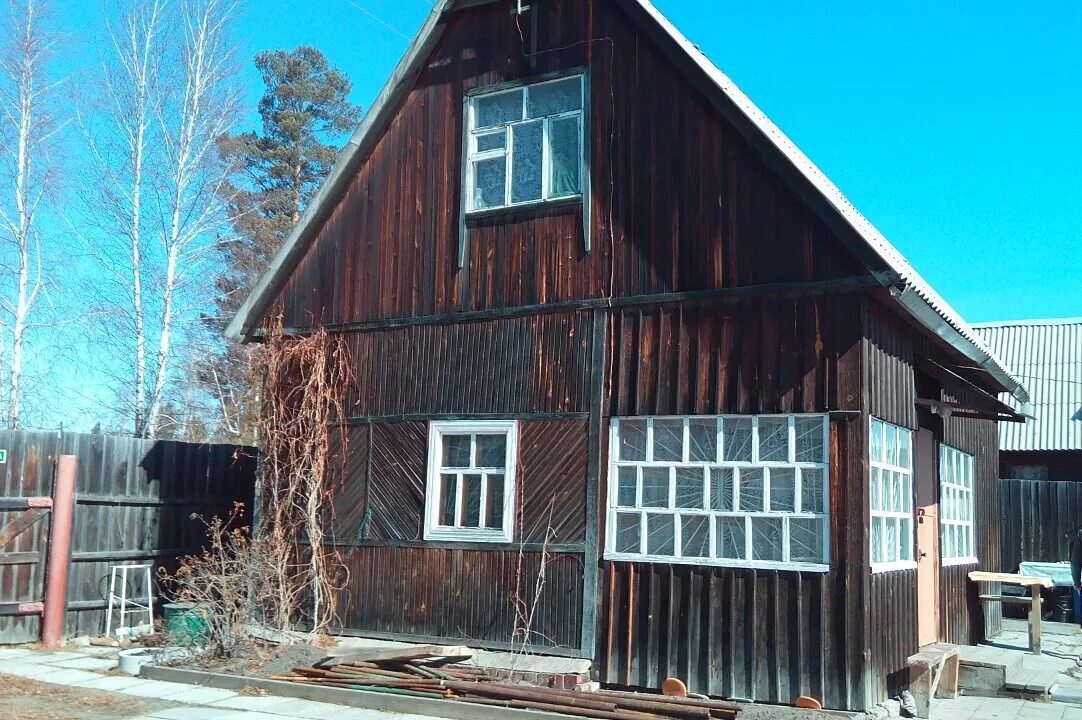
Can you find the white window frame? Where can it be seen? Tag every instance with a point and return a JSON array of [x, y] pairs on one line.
[[507, 151], [823, 513], [951, 459], [891, 466], [436, 431]]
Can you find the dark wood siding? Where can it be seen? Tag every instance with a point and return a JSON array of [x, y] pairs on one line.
[[758, 634], [445, 593], [440, 589], [390, 248], [529, 365], [1038, 517], [894, 350], [964, 619]]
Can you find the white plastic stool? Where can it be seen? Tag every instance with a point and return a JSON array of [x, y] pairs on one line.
[[128, 605]]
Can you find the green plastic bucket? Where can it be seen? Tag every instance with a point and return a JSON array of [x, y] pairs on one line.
[[184, 624]]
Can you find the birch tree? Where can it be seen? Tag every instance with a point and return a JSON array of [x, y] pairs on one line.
[[196, 181], [29, 129], [153, 208]]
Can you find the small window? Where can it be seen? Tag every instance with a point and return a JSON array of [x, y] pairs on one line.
[[471, 478], [737, 490], [956, 478], [890, 494], [525, 145]]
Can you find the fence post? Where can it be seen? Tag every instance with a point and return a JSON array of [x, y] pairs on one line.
[[56, 579]]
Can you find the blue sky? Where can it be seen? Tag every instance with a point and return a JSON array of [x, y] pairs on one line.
[[955, 127]]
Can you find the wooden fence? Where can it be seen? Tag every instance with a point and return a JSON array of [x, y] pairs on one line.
[[134, 503], [1036, 515]]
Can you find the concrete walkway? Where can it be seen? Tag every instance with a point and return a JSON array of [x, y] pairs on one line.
[[89, 668]]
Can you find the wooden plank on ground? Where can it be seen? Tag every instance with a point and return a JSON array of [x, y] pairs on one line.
[[384, 654]]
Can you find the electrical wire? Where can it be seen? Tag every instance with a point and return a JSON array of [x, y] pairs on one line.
[[380, 20]]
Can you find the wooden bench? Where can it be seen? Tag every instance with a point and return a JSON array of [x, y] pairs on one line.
[[1034, 583], [933, 672]]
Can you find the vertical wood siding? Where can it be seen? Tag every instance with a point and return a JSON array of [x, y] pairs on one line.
[[433, 592], [527, 365], [1036, 516], [759, 634], [893, 349], [964, 619], [390, 248]]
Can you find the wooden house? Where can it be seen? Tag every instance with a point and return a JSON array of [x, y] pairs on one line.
[[609, 323]]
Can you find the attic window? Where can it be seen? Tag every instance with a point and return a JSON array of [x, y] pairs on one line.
[[525, 145]]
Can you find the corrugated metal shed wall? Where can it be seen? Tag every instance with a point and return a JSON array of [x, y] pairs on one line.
[[1046, 355]]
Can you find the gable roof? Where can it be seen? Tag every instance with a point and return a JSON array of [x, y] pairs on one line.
[[1047, 356], [908, 288]]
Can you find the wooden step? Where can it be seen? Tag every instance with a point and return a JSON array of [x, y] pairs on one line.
[[983, 670], [1032, 682]]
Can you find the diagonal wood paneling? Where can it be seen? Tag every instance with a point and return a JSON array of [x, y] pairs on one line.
[[349, 463], [397, 481], [552, 472]]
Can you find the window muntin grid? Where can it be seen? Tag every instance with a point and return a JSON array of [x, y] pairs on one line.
[[890, 496], [733, 490], [956, 505], [469, 494]]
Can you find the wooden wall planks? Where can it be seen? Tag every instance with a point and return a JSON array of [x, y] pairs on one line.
[[520, 366], [455, 593], [134, 503], [390, 248]]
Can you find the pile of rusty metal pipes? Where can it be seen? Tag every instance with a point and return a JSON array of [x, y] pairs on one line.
[[398, 679], [602, 704], [472, 685]]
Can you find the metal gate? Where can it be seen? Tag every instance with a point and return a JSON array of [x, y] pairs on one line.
[[27, 474]]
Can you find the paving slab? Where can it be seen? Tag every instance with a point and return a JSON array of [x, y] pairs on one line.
[[48, 657], [195, 695], [86, 663], [9, 653], [67, 677], [109, 682], [254, 703], [156, 689], [309, 709], [185, 713], [245, 715], [16, 666]]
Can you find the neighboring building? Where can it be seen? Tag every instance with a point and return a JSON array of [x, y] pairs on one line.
[[610, 323], [1046, 355]]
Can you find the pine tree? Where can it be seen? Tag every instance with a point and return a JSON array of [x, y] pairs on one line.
[[306, 115]]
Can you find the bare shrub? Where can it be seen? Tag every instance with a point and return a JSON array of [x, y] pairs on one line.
[[226, 582]]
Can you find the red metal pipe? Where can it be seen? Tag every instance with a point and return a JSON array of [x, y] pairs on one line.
[[56, 579]]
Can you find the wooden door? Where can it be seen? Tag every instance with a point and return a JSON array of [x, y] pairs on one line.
[[926, 491]]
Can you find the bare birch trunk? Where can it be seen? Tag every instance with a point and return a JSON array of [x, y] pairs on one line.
[[23, 109]]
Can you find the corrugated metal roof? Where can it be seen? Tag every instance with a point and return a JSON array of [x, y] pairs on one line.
[[1046, 355]]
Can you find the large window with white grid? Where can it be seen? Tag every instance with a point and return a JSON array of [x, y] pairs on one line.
[[733, 490], [956, 471], [891, 496]]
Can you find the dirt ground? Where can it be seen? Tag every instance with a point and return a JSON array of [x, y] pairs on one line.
[[264, 661], [32, 700]]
